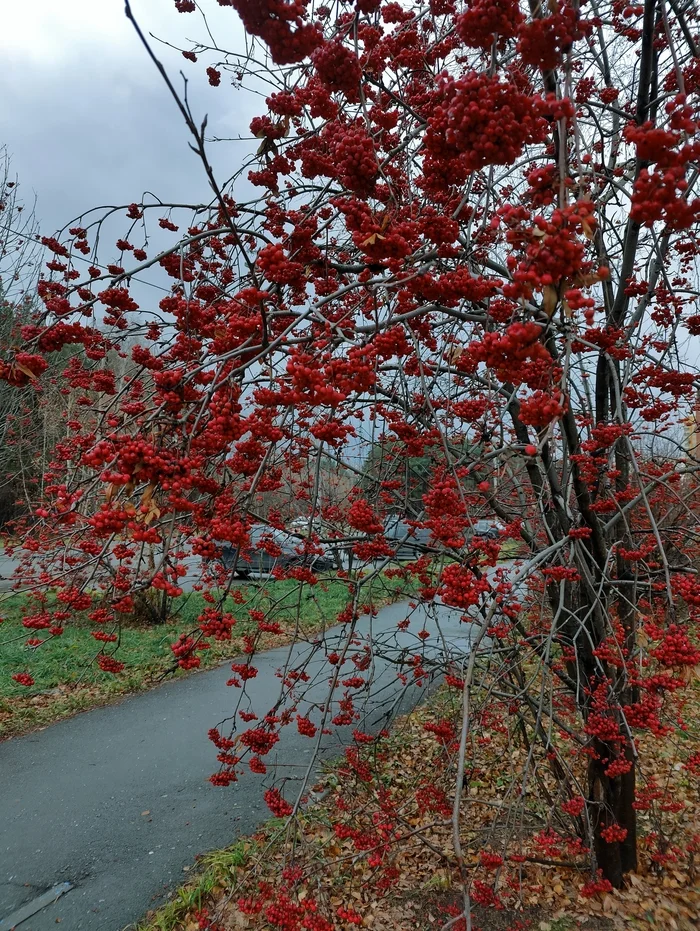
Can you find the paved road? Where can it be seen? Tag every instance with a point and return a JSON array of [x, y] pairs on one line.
[[117, 800], [7, 567]]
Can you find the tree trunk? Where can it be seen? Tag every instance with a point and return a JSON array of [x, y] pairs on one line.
[[610, 802], [610, 798]]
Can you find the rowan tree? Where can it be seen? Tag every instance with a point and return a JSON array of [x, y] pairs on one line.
[[469, 231]]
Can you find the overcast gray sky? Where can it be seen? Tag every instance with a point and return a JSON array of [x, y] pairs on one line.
[[86, 117]]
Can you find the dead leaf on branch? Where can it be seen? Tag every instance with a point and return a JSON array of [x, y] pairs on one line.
[[371, 240], [25, 371], [147, 496], [585, 281], [550, 299], [153, 514], [267, 146], [587, 230]]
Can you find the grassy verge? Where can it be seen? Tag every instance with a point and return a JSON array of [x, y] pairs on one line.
[[67, 679], [215, 872], [513, 549]]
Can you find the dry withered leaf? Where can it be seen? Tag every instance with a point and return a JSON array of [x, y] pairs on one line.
[[550, 299]]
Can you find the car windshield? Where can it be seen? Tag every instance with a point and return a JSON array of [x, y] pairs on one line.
[[396, 528], [281, 539]]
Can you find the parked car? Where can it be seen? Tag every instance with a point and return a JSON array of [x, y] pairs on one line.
[[283, 553], [410, 542], [487, 529], [300, 525]]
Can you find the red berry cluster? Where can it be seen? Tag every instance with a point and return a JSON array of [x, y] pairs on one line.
[[259, 740], [487, 21], [544, 39], [244, 670], [513, 354], [480, 120], [692, 764], [352, 156], [262, 127], [272, 21], [277, 804], [53, 245], [541, 408], [613, 834], [104, 637], [444, 731], [23, 370], [338, 68], [688, 587], [184, 649], [553, 250], [618, 767], [574, 806], [659, 196], [216, 624], [281, 912], [675, 648], [306, 727], [562, 573], [118, 299], [659, 192], [455, 286], [460, 587], [23, 678], [223, 778], [285, 103], [595, 887], [349, 915], [362, 517], [431, 798], [446, 512], [601, 722], [109, 664], [277, 266]]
